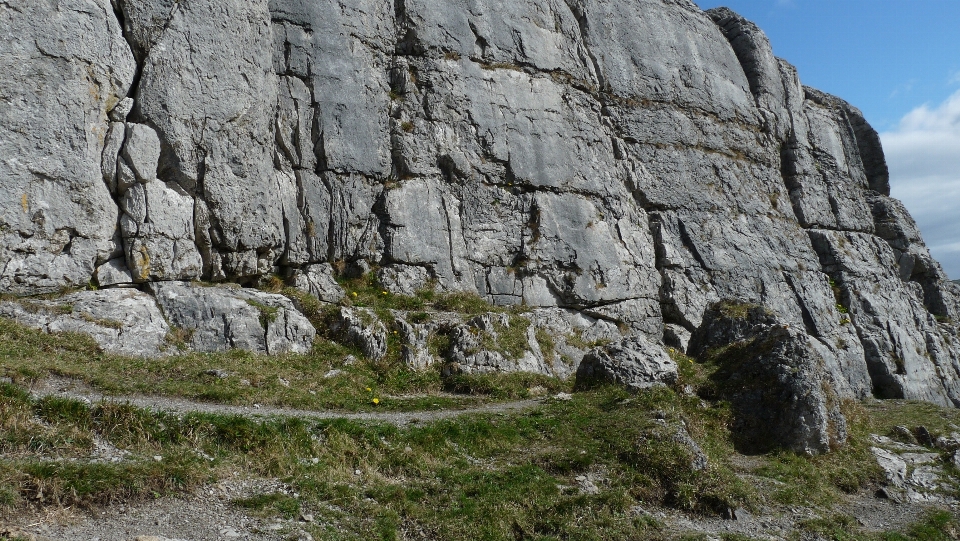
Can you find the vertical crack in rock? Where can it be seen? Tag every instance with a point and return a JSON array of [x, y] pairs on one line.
[[579, 13]]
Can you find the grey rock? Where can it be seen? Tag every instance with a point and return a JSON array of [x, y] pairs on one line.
[[111, 151], [498, 342], [159, 232], [903, 434], [114, 273], [894, 468], [630, 162], [676, 336], [587, 485], [318, 280], [57, 217], [221, 127], [779, 384], [121, 110], [141, 150], [905, 354], [404, 279], [760, 66], [362, 328], [121, 321], [633, 362], [222, 318], [415, 337], [948, 443]]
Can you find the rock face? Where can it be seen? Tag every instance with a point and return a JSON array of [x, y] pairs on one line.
[[782, 383], [631, 161]]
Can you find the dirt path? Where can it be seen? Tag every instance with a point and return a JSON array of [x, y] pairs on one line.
[[76, 390]]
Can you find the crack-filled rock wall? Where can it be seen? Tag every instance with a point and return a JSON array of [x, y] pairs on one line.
[[633, 161]]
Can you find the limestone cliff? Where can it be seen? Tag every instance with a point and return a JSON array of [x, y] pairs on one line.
[[624, 162]]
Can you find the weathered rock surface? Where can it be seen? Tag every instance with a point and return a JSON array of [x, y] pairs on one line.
[[361, 328], [625, 161], [778, 379], [318, 280], [122, 321], [633, 362], [221, 318], [67, 67]]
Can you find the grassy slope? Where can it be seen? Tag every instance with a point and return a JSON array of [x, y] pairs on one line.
[[474, 477]]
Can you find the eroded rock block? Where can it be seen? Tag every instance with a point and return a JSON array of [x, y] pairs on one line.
[[774, 376], [633, 362], [219, 318], [121, 321], [362, 328]]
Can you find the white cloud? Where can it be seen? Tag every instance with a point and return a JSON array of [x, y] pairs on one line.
[[924, 158]]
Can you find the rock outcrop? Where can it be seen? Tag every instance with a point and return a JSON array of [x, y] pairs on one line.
[[783, 385], [633, 362], [625, 161], [122, 321]]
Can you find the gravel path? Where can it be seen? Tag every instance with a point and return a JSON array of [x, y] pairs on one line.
[[72, 389]]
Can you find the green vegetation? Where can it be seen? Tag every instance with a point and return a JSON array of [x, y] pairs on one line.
[[935, 526], [476, 477], [332, 376], [517, 475], [268, 314]]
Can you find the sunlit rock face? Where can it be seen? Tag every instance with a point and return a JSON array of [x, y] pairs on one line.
[[630, 162]]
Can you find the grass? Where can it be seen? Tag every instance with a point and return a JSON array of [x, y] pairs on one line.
[[475, 477], [494, 477], [297, 381], [28, 356], [506, 476]]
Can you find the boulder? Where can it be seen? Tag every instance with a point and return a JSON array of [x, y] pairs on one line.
[[121, 321], [318, 281], [219, 318], [633, 362], [776, 378], [361, 328]]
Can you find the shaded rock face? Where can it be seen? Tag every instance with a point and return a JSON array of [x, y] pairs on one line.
[[633, 362], [778, 380], [632, 161]]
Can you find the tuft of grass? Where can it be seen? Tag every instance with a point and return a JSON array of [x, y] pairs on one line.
[[735, 310], [824, 479], [511, 339], [268, 314], [504, 386]]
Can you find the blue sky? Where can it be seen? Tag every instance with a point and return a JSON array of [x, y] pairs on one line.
[[899, 62]]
